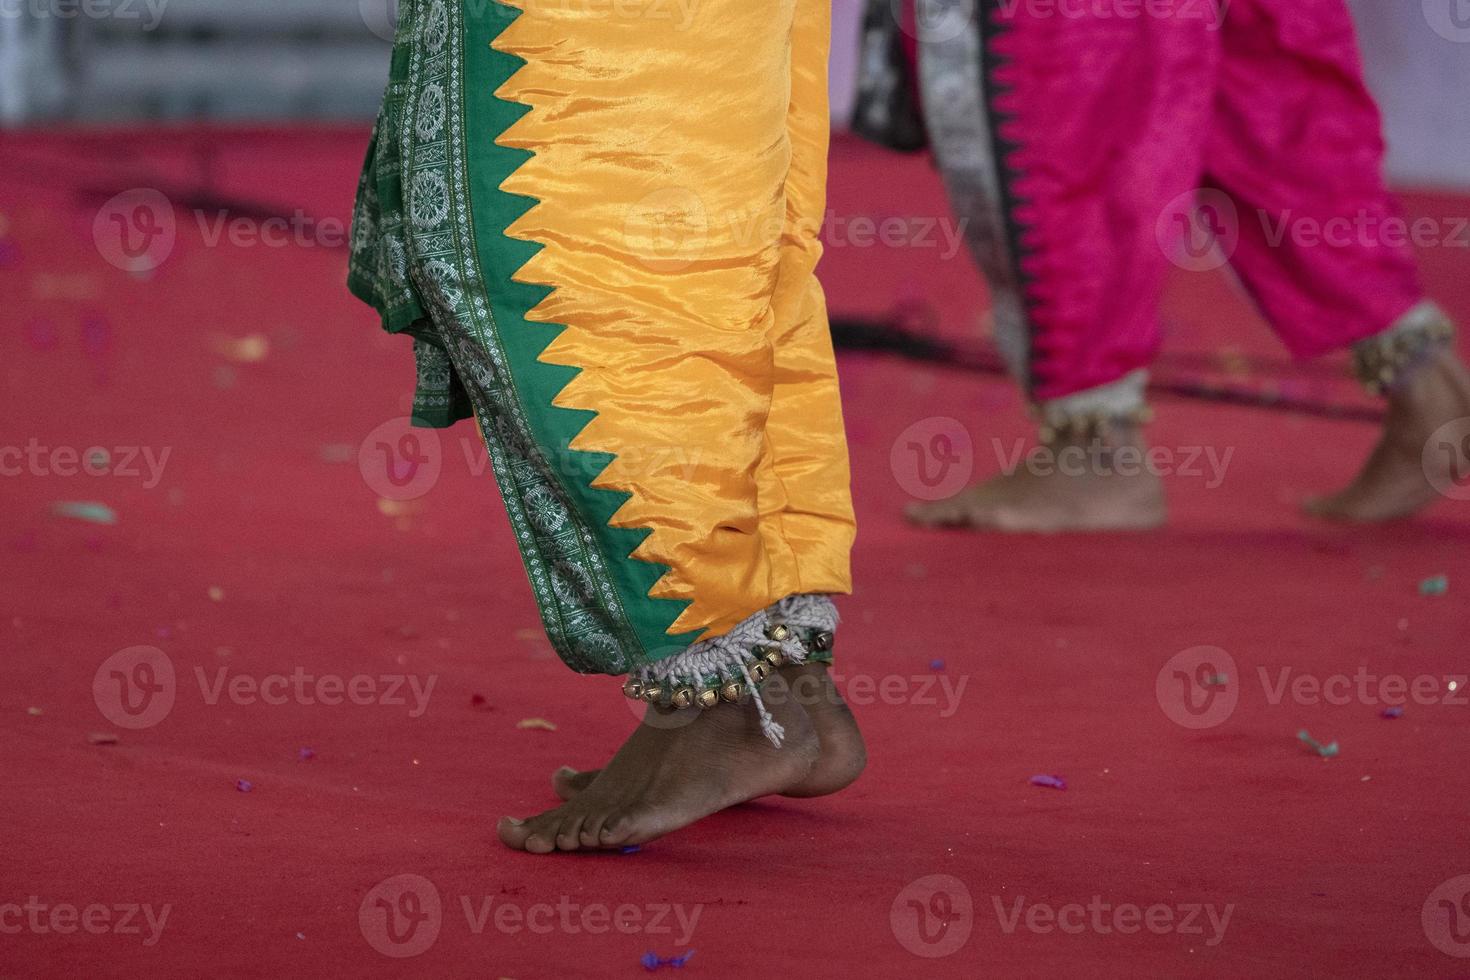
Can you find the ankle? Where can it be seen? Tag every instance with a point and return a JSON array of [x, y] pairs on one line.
[[1407, 354]]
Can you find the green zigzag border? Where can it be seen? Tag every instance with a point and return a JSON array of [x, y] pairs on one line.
[[537, 382]]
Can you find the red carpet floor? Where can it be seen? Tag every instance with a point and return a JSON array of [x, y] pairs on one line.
[[261, 550]]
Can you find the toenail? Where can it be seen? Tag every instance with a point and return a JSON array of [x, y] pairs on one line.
[[514, 822]]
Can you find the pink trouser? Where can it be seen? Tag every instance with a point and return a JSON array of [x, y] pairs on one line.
[[1076, 135]]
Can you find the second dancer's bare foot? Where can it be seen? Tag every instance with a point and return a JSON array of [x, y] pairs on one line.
[[1080, 486], [1396, 480], [842, 756], [665, 778]]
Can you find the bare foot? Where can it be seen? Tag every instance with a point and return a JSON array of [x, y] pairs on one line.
[[842, 757], [843, 754], [1078, 486], [1393, 482], [666, 778]]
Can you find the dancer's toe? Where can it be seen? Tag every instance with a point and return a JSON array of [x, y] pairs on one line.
[[513, 832], [569, 835], [567, 782]]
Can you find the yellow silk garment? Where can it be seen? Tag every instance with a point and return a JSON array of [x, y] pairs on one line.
[[599, 222], [680, 164]]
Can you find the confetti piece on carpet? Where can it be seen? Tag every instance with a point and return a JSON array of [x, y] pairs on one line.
[[96, 335], [41, 335], [1325, 751], [35, 712], [540, 724], [936, 665], [305, 754], [336, 452], [1393, 712], [631, 849], [651, 961], [1435, 585], [85, 510], [244, 785], [216, 593], [477, 700], [397, 508], [250, 349], [1050, 782], [101, 738]]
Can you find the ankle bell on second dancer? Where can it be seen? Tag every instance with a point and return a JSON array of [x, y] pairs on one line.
[[1087, 427], [1093, 414], [1386, 361]]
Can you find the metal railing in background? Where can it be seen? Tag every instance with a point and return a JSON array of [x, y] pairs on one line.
[[136, 60], [124, 60], [33, 79]]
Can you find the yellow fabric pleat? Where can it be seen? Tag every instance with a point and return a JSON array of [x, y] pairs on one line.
[[680, 165]]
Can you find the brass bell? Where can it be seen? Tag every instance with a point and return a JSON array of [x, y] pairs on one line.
[[822, 641], [778, 632], [683, 698], [759, 671], [732, 691], [709, 697], [775, 658], [653, 694], [633, 689]]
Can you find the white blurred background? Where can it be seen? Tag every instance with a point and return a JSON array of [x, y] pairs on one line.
[[122, 61]]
